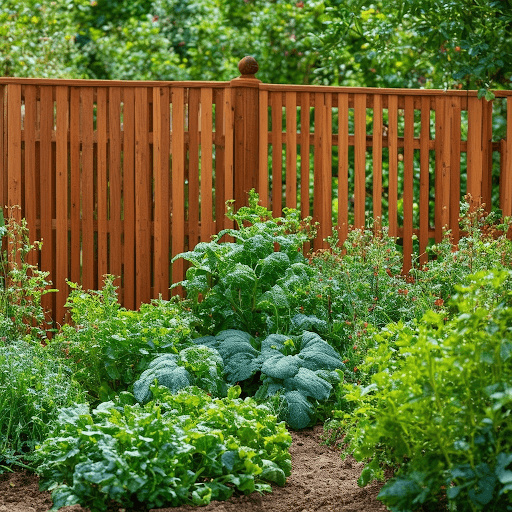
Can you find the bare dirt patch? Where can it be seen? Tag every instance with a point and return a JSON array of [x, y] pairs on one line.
[[320, 481]]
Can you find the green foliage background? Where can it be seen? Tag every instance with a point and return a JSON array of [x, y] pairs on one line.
[[397, 43]]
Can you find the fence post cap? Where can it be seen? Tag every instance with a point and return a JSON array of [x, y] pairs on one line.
[[248, 67]]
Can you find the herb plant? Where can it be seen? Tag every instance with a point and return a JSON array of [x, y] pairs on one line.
[[438, 407], [183, 448], [33, 386], [301, 367]]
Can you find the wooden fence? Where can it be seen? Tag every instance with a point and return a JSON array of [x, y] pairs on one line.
[[118, 176]]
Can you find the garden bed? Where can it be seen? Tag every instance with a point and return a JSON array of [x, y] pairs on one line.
[[320, 481]]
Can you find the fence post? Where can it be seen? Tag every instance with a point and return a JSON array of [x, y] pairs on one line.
[[245, 101]]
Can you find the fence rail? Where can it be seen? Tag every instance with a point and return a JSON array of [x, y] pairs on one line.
[[119, 176]]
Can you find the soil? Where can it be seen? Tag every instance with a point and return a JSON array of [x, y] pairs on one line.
[[320, 481]]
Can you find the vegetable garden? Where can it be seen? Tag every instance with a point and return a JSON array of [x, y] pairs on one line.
[[193, 399]]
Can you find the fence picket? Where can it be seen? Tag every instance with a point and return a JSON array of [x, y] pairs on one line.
[[342, 166], [424, 177], [359, 159], [206, 165], [408, 182], [393, 164], [377, 158], [277, 150], [291, 150], [102, 183], [454, 155]]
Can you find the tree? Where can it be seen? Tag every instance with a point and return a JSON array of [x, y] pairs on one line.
[[38, 39], [452, 43]]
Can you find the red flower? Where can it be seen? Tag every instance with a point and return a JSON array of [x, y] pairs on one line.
[[439, 302]]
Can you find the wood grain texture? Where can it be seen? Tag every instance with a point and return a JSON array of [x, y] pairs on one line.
[[359, 160], [342, 167], [408, 196], [424, 179], [291, 150], [377, 159], [102, 183], [393, 165], [207, 226], [277, 155]]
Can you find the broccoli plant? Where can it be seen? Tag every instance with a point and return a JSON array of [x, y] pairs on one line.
[[199, 366], [301, 368]]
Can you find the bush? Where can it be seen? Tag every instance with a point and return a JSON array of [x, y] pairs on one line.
[[438, 407]]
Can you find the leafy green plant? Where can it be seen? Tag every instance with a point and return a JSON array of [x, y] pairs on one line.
[[179, 448], [21, 284], [33, 386], [245, 284], [301, 367], [199, 366], [108, 346], [438, 407]]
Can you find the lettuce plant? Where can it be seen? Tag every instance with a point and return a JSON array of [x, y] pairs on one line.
[[199, 366], [300, 367], [183, 448]]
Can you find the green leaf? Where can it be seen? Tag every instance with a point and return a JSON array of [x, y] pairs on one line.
[[299, 410]]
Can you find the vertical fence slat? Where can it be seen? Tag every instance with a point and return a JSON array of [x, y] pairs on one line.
[[263, 188], [62, 202], [220, 159], [475, 160], [31, 188], [14, 149], [114, 172], [342, 166], [161, 174], [377, 158], [408, 181], [327, 169], [393, 164], [142, 199], [359, 159], [206, 165], [178, 174], [46, 126], [3, 147], [440, 133], [101, 130], [487, 154], [129, 197], [454, 149], [229, 123], [277, 151], [304, 154], [291, 150], [193, 167], [506, 179], [87, 189], [75, 193], [424, 177]]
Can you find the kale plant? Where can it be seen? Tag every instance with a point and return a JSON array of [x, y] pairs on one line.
[[199, 366], [249, 283], [300, 367]]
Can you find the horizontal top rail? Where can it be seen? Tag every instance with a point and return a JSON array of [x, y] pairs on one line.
[[77, 82]]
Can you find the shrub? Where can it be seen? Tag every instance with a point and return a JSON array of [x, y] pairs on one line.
[[182, 448], [438, 408]]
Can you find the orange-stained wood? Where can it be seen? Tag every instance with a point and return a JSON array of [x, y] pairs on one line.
[[506, 181], [454, 154], [193, 167], [142, 200], [114, 183], [178, 193], [207, 227], [424, 178], [102, 183], [31, 186], [393, 165], [291, 150], [61, 273], [229, 123], [342, 167], [263, 188], [408, 182], [161, 194], [75, 192], [359, 160], [475, 156], [304, 155], [277, 154], [377, 159], [88, 258]]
